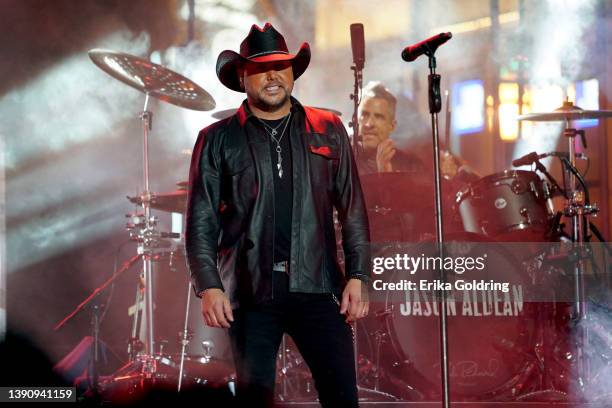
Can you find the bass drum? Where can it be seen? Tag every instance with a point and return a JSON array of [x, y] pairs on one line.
[[489, 334]]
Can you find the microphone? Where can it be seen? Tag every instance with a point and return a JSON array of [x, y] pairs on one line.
[[429, 45], [533, 157], [358, 45], [527, 159]]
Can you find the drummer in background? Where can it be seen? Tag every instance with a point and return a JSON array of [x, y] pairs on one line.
[[376, 123]]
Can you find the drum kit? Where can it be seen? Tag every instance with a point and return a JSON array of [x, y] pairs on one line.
[[508, 361], [537, 354]]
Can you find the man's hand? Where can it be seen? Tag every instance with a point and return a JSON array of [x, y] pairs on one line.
[[384, 153], [216, 308], [448, 165], [355, 300]]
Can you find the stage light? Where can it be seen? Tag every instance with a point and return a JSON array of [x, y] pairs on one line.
[[508, 111], [468, 107]]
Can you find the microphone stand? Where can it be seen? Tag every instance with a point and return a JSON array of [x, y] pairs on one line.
[[356, 98], [435, 105]]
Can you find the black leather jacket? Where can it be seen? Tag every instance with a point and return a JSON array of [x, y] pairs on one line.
[[230, 216]]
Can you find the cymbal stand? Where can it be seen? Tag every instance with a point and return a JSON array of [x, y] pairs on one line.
[[579, 209], [185, 337], [135, 346], [357, 69], [143, 230]]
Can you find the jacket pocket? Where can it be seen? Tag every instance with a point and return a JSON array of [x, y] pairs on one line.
[[328, 151], [323, 145]]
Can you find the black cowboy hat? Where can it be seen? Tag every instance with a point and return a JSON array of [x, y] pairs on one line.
[[261, 45]]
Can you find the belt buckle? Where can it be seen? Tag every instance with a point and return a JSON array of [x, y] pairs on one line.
[[280, 266]]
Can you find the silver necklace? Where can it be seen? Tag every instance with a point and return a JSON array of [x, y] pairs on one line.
[[272, 131]]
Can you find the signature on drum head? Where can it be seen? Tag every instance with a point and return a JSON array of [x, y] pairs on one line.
[[467, 372]]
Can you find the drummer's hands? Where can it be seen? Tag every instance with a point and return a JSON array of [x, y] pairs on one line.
[[355, 300], [384, 153], [448, 165], [216, 308]]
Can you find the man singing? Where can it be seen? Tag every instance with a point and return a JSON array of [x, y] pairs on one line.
[[260, 236]]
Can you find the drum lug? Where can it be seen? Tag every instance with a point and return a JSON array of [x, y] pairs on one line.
[[517, 186], [534, 189], [484, 224], [525, 213]]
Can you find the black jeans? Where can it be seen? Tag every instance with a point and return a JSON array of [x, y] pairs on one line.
[[318, 329]]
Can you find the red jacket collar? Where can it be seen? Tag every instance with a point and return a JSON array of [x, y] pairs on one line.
[[316, 119]]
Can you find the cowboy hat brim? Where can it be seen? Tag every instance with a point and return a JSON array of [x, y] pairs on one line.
[[229, 61]]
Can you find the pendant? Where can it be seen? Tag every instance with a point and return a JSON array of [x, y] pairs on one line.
[[279, 162]]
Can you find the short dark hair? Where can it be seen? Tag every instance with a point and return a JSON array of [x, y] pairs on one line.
[[375, 89]]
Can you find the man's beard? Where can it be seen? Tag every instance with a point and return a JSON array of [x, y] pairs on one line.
[[266, 104]]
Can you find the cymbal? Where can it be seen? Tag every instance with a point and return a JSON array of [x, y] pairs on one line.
[[153, 79], [567, 112], [175, 201], [226, 113]]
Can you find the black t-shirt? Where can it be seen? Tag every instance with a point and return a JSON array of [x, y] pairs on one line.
[[283, 188]]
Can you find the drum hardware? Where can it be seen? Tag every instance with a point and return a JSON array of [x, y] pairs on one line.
[[579, 209], [358, 53], [175, 201], [159, 82], [146, 234], [295, 380], [185, 337], [162, 347], [88, 302]]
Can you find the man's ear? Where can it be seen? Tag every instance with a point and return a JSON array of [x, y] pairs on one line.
[[240, 72]]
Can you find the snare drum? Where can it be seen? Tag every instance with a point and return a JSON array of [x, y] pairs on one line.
[[507, 206]]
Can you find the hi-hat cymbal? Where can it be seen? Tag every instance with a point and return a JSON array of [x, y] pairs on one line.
[[567, 112], [226, 113], [153, 79]]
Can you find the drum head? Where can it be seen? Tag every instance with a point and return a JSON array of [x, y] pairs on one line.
[[488, 333]]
